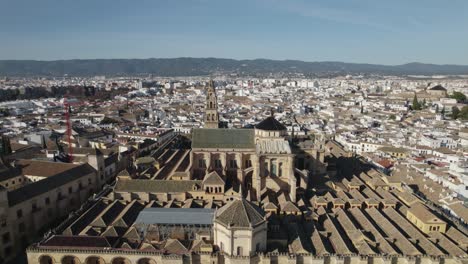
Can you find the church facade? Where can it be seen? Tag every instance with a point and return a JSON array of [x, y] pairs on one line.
[[248, 160]]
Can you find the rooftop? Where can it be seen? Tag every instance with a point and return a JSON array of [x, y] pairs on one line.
[[240, 213], [176, 216], [223, 138], [52, 181], [270, 124], [156, 186]]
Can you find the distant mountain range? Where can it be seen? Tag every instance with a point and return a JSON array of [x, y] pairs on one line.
[[210, 66]]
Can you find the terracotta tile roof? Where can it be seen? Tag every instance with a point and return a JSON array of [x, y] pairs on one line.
[[156, 186], [424, 214], [43, 168], [52, 181], [386, 163]]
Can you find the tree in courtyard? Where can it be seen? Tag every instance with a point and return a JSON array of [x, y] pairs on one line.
[[416, 104], [455, 112], [459, 96]]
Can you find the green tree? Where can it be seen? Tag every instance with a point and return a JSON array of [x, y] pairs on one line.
[[463, 115], [392, 117], [459, 96], [437, 109], [4, 112], [455, 112], [442, 112], [416, 104]]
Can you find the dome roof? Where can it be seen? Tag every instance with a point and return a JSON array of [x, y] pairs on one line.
[[438, 88], [270, 124], [240, 213]]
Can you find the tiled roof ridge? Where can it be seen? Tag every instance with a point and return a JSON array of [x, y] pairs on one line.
[[245, 211]]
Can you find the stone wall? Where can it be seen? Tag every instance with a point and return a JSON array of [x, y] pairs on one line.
[[138, 257]]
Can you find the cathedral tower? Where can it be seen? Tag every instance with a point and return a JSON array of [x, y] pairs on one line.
[[211, 110]]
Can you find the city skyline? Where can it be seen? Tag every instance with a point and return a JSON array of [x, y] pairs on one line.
[[233, 132], [352, 31]]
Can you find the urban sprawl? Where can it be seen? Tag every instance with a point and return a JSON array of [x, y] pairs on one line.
[[145, 170]]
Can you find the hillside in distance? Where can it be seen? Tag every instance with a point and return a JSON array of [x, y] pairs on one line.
[[209, 66]]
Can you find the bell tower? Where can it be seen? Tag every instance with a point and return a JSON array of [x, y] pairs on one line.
[[211, 109]]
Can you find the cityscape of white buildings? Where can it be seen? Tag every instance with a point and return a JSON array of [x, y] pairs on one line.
[[369, 116]]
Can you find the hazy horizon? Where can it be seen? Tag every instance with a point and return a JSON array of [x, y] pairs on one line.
[[355, 31], [169, 58]]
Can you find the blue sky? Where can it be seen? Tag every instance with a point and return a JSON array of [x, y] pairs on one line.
[[367, 31]]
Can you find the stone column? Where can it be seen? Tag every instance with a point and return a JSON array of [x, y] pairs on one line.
[[207, 156], [192, 166], [240, 174], [223, 157], [256, 179], [292, 178]]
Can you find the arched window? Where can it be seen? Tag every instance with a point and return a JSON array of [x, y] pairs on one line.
[[45, 260], [120, 260], [274, 168], [146, 261], [70, 260], [211, 104], [95, 260], [239, 251]]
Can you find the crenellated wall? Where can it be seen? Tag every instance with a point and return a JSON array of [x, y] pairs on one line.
[[142, 257]]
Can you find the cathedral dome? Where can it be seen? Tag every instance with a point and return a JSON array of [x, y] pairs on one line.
[[270, 124], [240, 213], [438, 88]]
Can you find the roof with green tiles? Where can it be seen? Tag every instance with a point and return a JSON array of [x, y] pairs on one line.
[[223, 138], [157, 186]]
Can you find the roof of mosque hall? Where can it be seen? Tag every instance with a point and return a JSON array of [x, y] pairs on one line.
[[223, 138]]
